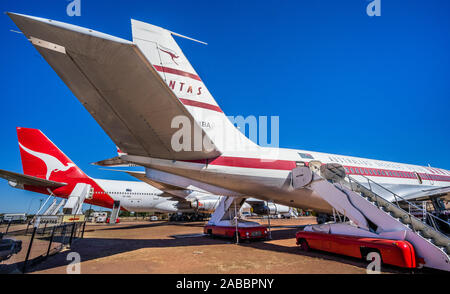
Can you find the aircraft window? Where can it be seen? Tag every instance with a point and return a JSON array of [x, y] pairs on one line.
[[306, 155]]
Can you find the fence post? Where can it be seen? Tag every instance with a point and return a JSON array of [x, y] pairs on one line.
[[71, 234], [63, 234], [82, 233], [51, 241], [7, 228], [29, 250]]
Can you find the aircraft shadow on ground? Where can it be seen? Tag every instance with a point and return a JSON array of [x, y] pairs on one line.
[[148, 225], [94, 248]]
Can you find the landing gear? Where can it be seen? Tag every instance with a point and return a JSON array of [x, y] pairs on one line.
[[323, 218], [187, 217]]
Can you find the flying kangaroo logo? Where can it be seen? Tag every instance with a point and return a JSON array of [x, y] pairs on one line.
[[52, 163], [170, 52]]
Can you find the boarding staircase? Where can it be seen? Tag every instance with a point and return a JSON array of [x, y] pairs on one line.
[[374, 216], [54, 208], [227, 213], [418, 209], [76, 199], [114, 213]]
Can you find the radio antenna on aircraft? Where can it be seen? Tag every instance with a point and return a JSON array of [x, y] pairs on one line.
[[17, 32], [178, 35]]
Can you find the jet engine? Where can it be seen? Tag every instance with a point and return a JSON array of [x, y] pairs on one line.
[[204, 205], [270, 208]]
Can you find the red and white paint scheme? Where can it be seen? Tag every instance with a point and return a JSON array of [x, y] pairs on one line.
[[47, 170], [145, 95], [134, 89]]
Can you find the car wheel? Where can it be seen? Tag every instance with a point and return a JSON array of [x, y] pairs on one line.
[[303, 245]]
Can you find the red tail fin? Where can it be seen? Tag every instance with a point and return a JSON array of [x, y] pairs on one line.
[[41, 158]]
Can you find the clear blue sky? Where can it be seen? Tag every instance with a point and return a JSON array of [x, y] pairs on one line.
[[341, 81]]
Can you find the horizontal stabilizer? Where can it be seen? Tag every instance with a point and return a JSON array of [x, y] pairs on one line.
[[172, 191], [22, 179], [429, 193], [114, 162], [118, 85]]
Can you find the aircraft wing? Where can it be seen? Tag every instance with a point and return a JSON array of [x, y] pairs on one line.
[[22, 179], [117, 84], [114, 162], [171, 191], [426, 194]]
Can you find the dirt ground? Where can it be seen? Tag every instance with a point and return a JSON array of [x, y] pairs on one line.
[[169, 247]]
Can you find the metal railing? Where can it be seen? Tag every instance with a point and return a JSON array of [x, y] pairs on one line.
[[397, 199], [39, 241]]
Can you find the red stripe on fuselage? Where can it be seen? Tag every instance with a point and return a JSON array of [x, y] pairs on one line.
[[249, 163], [288, 165]]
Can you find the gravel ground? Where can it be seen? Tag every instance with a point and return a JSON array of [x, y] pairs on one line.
[[168, 247]]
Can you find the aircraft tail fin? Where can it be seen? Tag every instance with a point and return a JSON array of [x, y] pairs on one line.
[[163, 52], [43, 159]]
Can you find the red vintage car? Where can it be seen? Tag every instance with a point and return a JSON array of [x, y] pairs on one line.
[[117, 220], [245, 233], [393, 252]]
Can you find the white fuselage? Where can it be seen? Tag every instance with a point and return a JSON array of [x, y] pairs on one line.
[[268, 178], [138, 196]]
